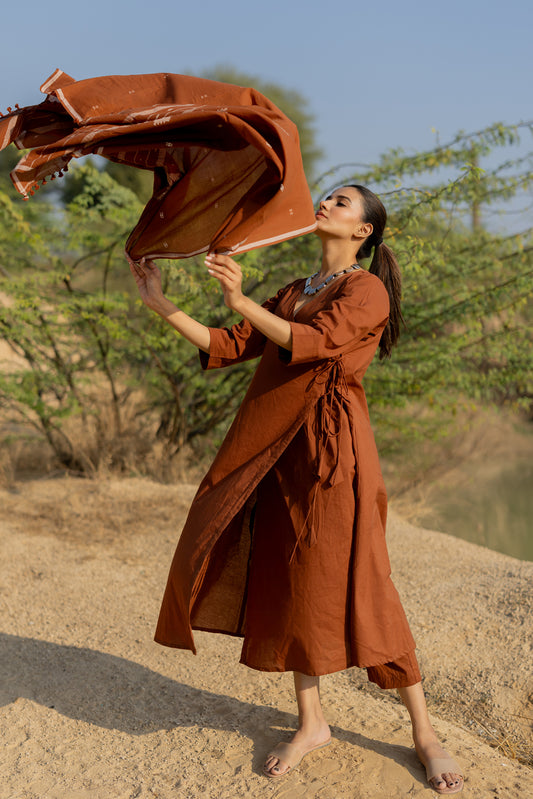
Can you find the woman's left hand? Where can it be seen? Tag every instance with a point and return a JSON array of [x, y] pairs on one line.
[[229, 274]]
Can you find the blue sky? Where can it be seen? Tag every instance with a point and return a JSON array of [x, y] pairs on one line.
[[376, 76]]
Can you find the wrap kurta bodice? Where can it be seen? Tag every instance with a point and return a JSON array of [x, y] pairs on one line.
[[314, 390]]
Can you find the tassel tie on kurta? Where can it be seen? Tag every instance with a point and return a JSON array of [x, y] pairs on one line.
[[332, 407]]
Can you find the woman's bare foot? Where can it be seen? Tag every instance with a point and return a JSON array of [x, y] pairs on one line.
[[306, 738], [312, 732], [442, 771], [428, 748]]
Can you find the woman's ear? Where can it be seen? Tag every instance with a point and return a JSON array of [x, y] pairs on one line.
[[363, 230]]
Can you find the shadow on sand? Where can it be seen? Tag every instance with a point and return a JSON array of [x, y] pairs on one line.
[[119, 694]]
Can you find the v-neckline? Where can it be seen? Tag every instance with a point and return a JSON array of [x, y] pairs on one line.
[[320, 293]]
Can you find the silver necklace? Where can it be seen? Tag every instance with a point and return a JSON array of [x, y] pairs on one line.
[[308, 288]]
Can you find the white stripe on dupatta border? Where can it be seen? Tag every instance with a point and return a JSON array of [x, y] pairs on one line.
[[18, 185], [10, 125], [74, 114], [291, 234], [238, 248], [51, 79]]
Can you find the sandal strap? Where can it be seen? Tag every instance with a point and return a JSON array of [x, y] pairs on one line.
[[289, 754], [442, 765]]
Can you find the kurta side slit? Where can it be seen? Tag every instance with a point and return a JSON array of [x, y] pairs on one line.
[[305, 577]]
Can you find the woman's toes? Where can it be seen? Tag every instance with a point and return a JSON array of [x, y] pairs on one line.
[[274, 766], [446, 781], [452, 780]]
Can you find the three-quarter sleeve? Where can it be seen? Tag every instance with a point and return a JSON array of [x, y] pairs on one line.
[[238, 343], [359, 310]]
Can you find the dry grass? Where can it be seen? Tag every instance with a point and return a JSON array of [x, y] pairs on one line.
[[97, 449]]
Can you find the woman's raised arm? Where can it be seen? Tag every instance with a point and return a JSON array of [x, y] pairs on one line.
[[148, 279], [229, 274]]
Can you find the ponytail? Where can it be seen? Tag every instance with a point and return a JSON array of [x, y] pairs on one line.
[[384, 265]]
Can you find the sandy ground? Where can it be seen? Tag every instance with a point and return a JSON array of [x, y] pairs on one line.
[[93, 709]]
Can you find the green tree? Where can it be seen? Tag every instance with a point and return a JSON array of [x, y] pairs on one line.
[[139, 181], [62, 335], [22, 224], [90, 353], [84, 344], [9, 157], [467, 290]]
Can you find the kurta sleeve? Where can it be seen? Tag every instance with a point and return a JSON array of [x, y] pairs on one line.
[[238, 343], [360, 310]]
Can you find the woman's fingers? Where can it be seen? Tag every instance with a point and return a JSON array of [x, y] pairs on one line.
[[223, 267], [137, 273], [143, 268], [226, 278], [228, 273], [150, 265], [132, 265], [219, 269], [216, 259], [135, 266]]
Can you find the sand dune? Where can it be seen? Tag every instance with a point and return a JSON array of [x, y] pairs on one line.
[[93, 709]]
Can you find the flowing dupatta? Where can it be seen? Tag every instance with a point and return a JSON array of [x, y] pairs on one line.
[[228, 172]]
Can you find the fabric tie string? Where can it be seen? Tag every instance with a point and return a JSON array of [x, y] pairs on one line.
[[332, 404]]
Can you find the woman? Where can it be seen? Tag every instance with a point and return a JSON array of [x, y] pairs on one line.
[[284, 544]]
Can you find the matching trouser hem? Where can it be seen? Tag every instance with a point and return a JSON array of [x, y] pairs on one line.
[[398, 673]]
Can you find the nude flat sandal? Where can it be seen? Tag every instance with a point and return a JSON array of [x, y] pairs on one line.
[[290, 755], [442, 765]]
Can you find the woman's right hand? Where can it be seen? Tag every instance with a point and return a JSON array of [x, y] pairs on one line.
[[148, 279]]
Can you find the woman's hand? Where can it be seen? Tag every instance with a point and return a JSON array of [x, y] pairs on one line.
[[229, 274], [148, 279]]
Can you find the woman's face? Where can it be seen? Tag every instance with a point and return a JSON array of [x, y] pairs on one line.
[[340, 215]]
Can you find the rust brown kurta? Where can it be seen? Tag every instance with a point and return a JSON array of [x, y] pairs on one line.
[[302, 448]]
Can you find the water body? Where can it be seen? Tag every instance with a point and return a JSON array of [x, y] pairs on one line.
[[496, 512]]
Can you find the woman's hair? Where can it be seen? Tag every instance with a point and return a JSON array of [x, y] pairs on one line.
[[384, 265]]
